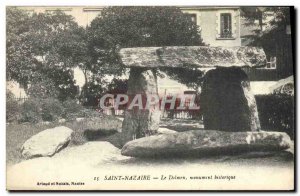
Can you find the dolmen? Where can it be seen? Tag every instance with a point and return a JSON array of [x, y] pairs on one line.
[[230, 116]]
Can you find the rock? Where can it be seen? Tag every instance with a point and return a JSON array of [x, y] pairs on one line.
[[162, 130], [47, 142], [226, 101], [141, 122], [120, 118], [204, 143], [62, 120], [84, 162], [45, 123], [199, 56], [90, 153], [79, 119]]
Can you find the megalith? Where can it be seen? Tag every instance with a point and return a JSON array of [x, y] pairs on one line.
[[226, 101], [141, 122]]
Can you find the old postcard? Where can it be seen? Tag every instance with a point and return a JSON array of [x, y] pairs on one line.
[[133, 98]]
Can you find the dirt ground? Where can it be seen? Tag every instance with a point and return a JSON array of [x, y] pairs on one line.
[[99, 165]]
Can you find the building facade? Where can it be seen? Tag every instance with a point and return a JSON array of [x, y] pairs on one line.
[[219, 26]]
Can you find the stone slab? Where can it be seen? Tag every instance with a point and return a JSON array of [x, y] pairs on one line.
[[197, 56], [204, 143]]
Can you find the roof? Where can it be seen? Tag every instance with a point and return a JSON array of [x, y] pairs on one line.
[[207, 7]]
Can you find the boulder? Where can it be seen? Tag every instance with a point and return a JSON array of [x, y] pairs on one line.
[[199, 56], [62, 120], [47, 142], [163, 130], [140, 122], [79, 119], [204, 143], [226, 101], [44, 123]]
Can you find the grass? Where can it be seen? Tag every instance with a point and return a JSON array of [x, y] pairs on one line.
[[17, 134], [101, 128]]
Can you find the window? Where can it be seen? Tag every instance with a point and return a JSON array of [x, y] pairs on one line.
[[193, 18], [226, 27], [271, 64]]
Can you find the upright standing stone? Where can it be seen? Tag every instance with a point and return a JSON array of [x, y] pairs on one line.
[[226, 101], [141, 122]]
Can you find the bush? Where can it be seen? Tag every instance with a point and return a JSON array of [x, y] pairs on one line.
[[52, 109], [72, 109], [31, 111], [42, 89], [89, 113], [35, 110], [12, 107], [276, 112]]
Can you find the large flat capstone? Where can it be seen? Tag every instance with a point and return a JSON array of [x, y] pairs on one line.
[[47, 142], [203, 143], [199, 56]]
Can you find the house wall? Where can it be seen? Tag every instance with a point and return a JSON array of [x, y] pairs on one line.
[[83, 15], [16, 89], [209, 21]]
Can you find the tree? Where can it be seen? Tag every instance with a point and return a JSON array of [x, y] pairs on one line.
[[118, 86], [122, 27], [46, 46], [19, 57], [191, 77], [93, 90], [274, 36], [278, 23]]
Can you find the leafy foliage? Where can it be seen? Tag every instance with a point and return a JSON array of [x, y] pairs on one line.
[[52, 109], [93, 90], [12, 107], [71, 109], [42, 48], [191, 77], [275, 27], [18, 51], [31, 111], [122, 27], [44, 45], [118, 86], [34, 110], [42, 89], [276, 112]]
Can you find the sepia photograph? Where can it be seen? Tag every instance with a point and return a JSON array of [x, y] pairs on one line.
[[150, 98]]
